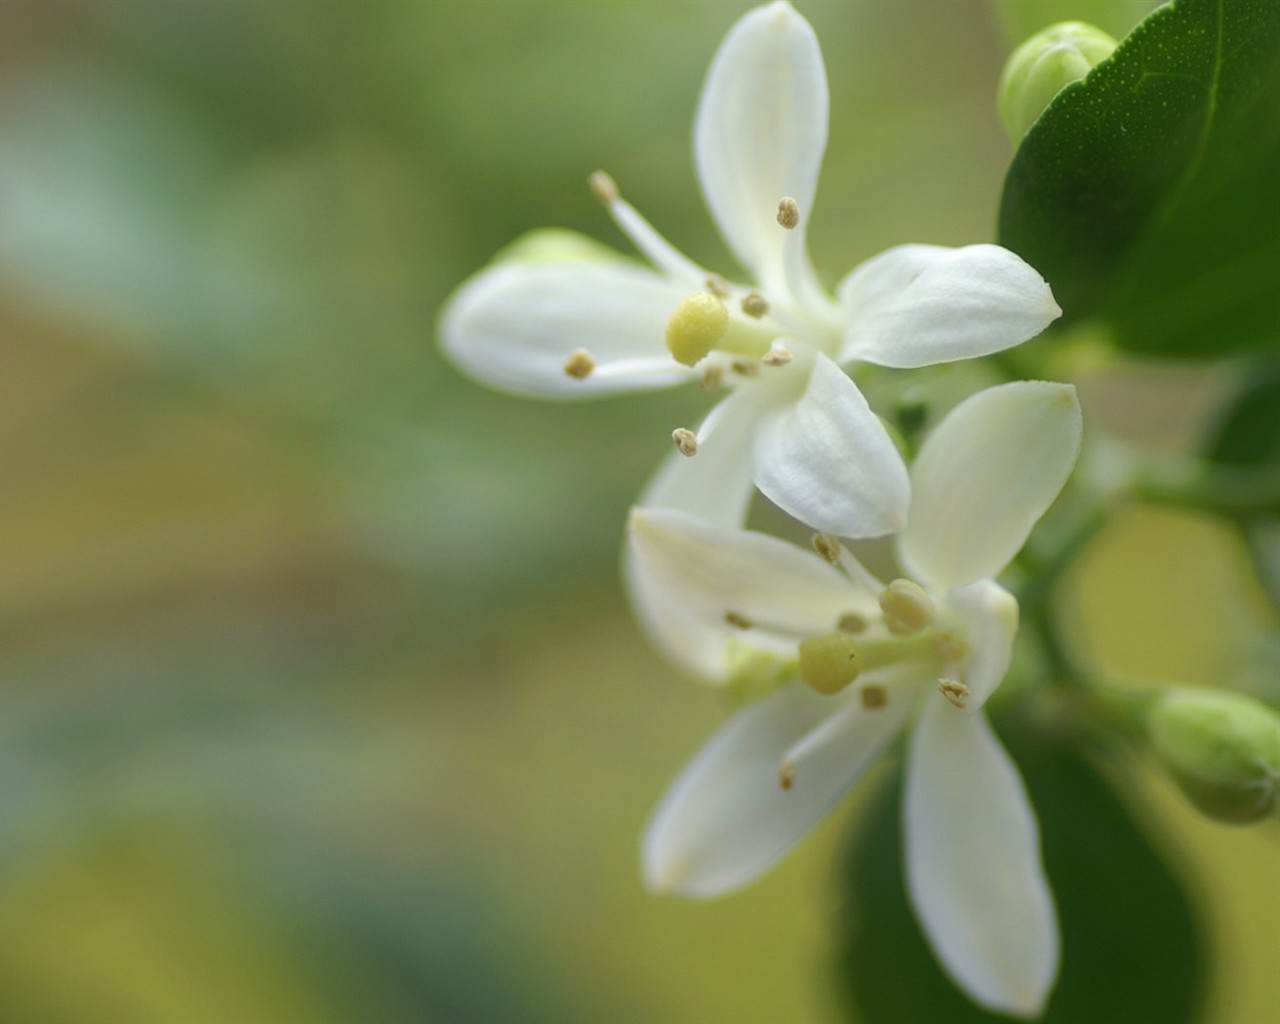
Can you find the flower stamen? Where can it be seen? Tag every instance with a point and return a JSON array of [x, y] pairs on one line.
[[686, 441], [604, 188], [874, 697], [755, 305], [778, 355], [955, 691], [852, 622], [579, 365], [788, 213], [827, 546], [907, 608], [738, 621]]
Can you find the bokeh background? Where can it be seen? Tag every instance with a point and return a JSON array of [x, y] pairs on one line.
[[319, 698]]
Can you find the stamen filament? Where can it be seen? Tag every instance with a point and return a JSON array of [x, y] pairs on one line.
[[828, 730], [644, 236], [857, 572]]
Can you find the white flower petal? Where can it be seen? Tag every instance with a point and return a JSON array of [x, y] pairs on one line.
[[760, 133], [727, 819], [516, 324], [984, 476], [987, 615], [686, 575], [827, 460], [715, 484], [973, 864], [915, 305]]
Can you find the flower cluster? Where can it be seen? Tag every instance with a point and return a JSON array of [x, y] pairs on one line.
[[862, 659]]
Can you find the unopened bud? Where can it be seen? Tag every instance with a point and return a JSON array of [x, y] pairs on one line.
[[1222, 748], [698, 323], [1043, 66], [829, 663]]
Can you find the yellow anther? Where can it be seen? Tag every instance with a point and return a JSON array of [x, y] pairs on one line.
[[788, 212], [755, 306], [738, 620], [713, 378], [686, 441], [744, 368], [827, 546], [874, 697], [694, 328], [955, 692], [604, 188], [829, 663], [852, 622], [907, 608], [778, 355], [579, 365]]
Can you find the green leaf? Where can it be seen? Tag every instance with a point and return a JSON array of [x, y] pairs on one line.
[[1146, 194], [1128, 936], [1248, 434]]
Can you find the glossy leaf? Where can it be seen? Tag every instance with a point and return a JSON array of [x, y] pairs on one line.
[[1128, 936], [1146, 194]]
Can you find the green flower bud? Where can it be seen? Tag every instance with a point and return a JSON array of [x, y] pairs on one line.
[[1222, 748], [1043, 66]]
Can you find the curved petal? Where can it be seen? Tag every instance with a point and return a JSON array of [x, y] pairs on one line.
[[973, 864], [515, 325], [988, 617], [915, 305], [715, 484], [984, 476], [760, 134], [686, 576], [727, 819], [827, 460]]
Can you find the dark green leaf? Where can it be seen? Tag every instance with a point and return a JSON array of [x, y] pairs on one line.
[[1248, 434], [1147, 194], [1128, 936]]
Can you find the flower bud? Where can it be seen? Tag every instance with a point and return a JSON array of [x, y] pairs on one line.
[[1222, 748], [1041, 67]]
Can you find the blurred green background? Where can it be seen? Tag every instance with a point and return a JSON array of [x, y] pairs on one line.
[[320, 699]]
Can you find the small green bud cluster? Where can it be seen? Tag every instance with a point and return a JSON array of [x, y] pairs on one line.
[[1222, 748], [1043, 66]]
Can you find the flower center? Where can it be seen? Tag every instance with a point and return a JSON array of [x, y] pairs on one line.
[[702, 323], [698, 323]]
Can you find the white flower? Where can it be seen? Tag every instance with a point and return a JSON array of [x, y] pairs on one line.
[[577, 327], [934, 646]]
